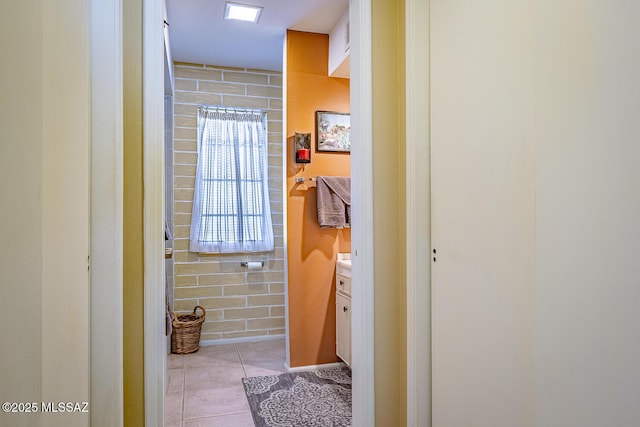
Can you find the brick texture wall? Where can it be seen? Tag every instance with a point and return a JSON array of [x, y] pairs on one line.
[[238, 303]]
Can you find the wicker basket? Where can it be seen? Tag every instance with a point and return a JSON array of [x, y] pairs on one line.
[[185, 337]]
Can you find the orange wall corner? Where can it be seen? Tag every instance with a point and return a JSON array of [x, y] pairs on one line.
[[312, 250]]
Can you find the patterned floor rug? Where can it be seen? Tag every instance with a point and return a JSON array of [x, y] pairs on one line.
[[302, 399]]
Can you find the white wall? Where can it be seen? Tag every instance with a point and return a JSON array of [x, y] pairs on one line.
[[482, 156], [587, 214], [45, 207], [21, 234], [65, 197], [565, 75]]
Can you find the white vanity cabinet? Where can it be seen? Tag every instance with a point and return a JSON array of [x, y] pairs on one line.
[[343, 310]]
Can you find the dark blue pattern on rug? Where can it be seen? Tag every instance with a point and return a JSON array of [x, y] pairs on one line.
[[319, 398]]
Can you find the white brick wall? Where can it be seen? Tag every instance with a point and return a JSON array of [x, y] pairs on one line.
[[238, 303]]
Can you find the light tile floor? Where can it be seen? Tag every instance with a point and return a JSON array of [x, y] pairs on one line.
[[205, 388]]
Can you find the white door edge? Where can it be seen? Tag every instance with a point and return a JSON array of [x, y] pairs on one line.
[[106, 348], [362, 357], [153, 178]]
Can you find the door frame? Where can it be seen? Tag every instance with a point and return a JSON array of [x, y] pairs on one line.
[[362, 240], [106, 308]]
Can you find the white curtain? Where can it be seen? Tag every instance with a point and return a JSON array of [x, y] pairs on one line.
[[231, 210]]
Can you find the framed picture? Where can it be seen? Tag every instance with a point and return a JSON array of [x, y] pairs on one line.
[[333, 131]]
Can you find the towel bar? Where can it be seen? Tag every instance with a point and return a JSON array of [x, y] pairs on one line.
[[300, 179]]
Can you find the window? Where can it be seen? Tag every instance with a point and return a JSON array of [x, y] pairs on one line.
[[231, 210]]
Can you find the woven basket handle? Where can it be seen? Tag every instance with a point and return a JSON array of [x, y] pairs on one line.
[[204, 312]]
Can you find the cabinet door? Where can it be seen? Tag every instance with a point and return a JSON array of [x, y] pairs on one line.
[[343, 328]]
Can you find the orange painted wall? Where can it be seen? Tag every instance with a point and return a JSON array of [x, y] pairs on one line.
[[312, 250]]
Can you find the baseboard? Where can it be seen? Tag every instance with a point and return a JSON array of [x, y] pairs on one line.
[[314, 367], [259, 338]]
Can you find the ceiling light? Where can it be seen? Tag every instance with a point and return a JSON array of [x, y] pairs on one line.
[[242, 12]]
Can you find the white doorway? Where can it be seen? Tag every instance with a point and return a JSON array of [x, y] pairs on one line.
[[363, 403]]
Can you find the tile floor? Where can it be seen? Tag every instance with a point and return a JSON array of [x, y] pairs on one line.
[[205, 387]]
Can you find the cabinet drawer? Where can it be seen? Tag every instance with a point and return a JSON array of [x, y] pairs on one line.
[[343, 284], [343, 271]]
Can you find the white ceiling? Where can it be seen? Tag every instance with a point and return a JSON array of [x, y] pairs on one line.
[[199, 34]]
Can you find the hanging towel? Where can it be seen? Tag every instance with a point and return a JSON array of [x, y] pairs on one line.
[[334, 201]]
